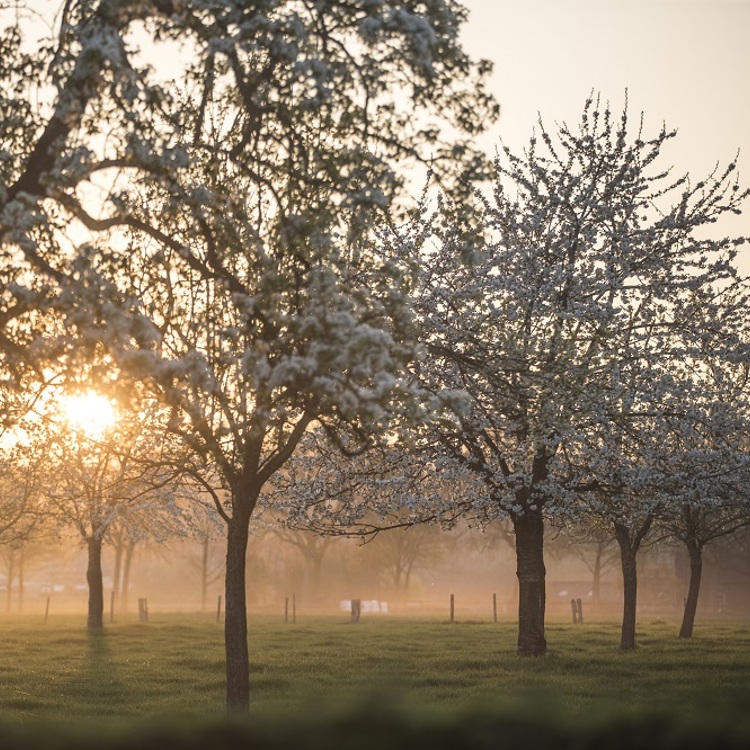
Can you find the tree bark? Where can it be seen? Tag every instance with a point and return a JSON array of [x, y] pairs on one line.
[[629, 547], [96, 586], [235, 616], [529, 528], [695, 553]]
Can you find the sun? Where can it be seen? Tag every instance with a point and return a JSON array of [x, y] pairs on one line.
[[89, 413]]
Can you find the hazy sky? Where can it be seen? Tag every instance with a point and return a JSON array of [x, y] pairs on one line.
[[686, 62]]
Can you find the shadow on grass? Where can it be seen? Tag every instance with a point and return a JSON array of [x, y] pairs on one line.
[[97, 689]]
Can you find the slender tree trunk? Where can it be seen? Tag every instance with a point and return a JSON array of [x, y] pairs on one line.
[[695, 553], [21, 582], [96, 586], [205, 545], [118, 570], [126, 568], [597, 574], [529, 528], [315, 573], [11, 572], [235, 616]]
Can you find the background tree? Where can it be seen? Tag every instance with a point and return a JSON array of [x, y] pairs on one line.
[[205, 527], [709, 466], [593, 545], [312, 547], [97, 479], [584, 258]]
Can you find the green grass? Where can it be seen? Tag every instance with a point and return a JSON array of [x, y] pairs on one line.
[[173, 667]]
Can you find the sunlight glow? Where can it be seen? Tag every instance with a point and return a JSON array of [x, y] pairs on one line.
[[89, 413]]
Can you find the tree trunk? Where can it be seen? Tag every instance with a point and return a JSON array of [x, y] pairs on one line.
[[21, 581], [691, 604], [597, 574], [125, 580], [529, 528], [235, 617], [629, 586], [205, 546], [96, 586], [11, 572], [116, 575]]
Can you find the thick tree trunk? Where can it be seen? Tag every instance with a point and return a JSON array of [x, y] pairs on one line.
[[691, 603], [529, 528], [235, 618], [96, 586], [628, 551]]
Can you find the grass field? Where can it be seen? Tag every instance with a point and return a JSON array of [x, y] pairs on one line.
[[171, 670]]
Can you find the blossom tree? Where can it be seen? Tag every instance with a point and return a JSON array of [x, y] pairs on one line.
[[588, 250], [95, 481], [708, 464], [228, 207]]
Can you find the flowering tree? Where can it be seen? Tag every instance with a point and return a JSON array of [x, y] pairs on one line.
[[235, 270], [589, 251], [96, 482], [708, 464], [19, 493], [593, 545]]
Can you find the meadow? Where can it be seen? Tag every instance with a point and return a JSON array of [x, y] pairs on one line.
[[164, 680]]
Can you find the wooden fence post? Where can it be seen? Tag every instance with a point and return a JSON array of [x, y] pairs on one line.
[[579, 604], [575, 611], [218, 609], [494, 608], [453, 610], [143, 610], [46, 610], [286, 610], [356, 609]]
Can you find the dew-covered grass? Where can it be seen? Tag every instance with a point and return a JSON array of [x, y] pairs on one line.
[[173, 666]]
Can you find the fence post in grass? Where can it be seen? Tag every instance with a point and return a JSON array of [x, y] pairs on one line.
[[453, 609], [294, 609], [286, 610], [494, 608], [112, 606], [574, 607], [579, 603], [46, 610], [143, 610], [356, 609], [218, 609]]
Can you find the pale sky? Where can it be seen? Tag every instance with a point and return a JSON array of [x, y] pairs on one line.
[[683, 62], [686, 62]]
